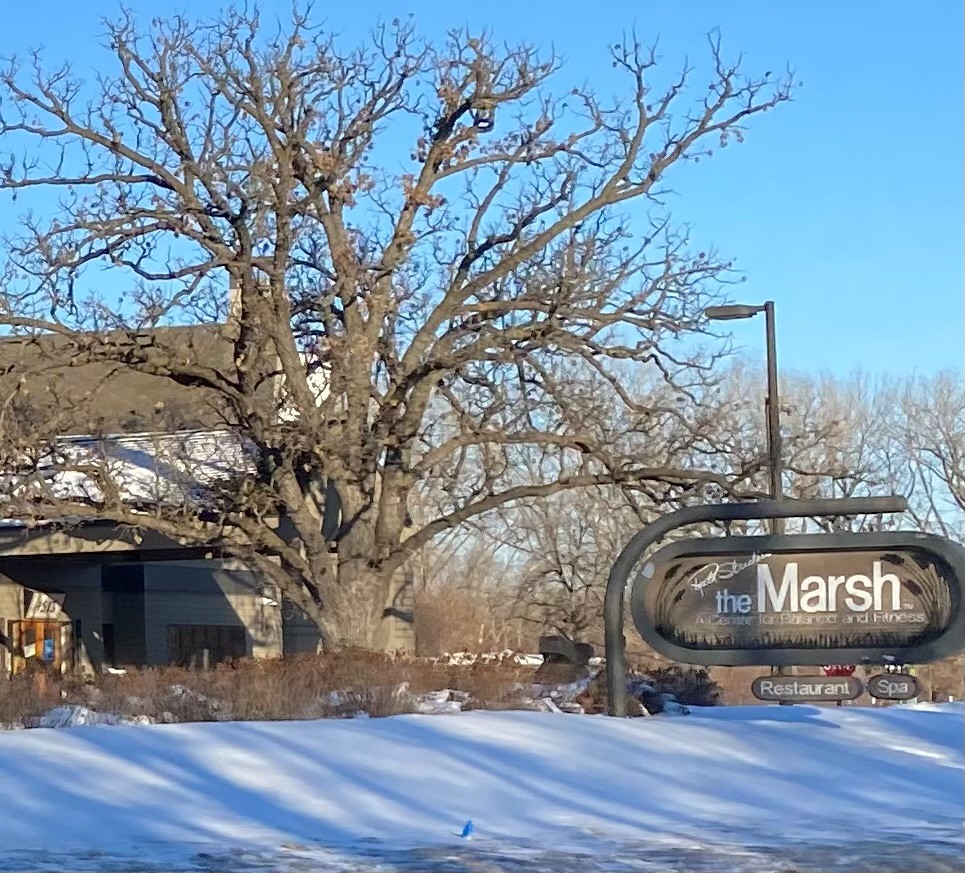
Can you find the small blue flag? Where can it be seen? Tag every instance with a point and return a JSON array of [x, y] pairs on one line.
[[467, 830]]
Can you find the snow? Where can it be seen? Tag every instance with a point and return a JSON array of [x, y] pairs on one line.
[[728, 788], [75, 716], [467, 659], [144, 467]]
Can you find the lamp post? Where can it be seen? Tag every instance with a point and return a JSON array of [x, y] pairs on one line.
[[772, 403]]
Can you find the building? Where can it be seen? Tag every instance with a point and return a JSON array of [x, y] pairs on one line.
[[91, 599], [95, 595]]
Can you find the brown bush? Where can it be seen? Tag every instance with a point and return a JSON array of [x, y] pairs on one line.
[[378, 702], [451, 619], [486, 680], [297, 687], [691, 686], [23, 696]]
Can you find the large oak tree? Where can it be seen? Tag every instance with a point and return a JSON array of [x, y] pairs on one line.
[[434, 250]]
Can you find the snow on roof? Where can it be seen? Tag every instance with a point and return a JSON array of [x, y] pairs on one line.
[[146, 468]]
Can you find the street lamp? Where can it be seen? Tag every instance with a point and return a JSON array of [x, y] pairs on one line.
[[772, 404]]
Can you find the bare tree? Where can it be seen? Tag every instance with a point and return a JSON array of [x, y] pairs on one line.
[[931, 429], [467, 605], [564, 546], [843, 437], [410, 311]]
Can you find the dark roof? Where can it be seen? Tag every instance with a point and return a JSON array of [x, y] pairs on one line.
[[49, 380]]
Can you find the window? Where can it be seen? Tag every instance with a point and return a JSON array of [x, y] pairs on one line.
[[187, 643]]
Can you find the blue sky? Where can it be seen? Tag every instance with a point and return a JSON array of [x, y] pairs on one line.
[[844, 207]]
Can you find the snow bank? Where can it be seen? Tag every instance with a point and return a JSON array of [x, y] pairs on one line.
[[331, 794], [75, 716]]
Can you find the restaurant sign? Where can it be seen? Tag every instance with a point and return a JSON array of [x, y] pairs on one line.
[[806, 689], [803, 599]]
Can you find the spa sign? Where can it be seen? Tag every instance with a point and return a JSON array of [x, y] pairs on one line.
[[809, 600]]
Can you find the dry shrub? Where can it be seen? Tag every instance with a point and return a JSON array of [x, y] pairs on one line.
[[296, 687], [503, 703], [486, 680], [23, 697], [163, 693], [735, 684], [691, 686], [301, 686], [453, 619], [378, 702], [492, 686]]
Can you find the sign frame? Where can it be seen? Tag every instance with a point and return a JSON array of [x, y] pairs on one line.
[[947, 643], [615, 595]]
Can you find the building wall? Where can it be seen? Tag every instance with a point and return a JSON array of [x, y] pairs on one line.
[[300, 633], [84, 603], [139, 601], [11, 607], [208, 593], [123, 606]]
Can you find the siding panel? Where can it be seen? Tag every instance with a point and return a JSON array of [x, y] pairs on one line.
[[207, 593]]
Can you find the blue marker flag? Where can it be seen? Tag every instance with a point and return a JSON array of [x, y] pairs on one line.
[[467, 830]]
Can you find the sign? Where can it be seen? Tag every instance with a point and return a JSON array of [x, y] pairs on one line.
[[803, 599], [806, 689], [48, 651], [41, 606], [894, 686], [839, 670]]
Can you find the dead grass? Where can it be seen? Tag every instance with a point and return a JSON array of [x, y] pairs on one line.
[[333, 684], [21, 698], [378, 702], [691, 686]]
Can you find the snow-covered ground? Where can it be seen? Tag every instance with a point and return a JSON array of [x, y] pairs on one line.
[[730, 788]]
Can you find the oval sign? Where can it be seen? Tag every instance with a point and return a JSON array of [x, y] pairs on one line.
[[894, 686], [804, 600], [806, 689]]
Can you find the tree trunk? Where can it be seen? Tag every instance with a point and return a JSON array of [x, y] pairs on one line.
[[373, 610]]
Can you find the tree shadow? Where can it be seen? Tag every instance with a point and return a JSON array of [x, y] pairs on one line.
[[389, 786]]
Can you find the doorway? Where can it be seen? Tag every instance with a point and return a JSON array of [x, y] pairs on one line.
[[40, 642]]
